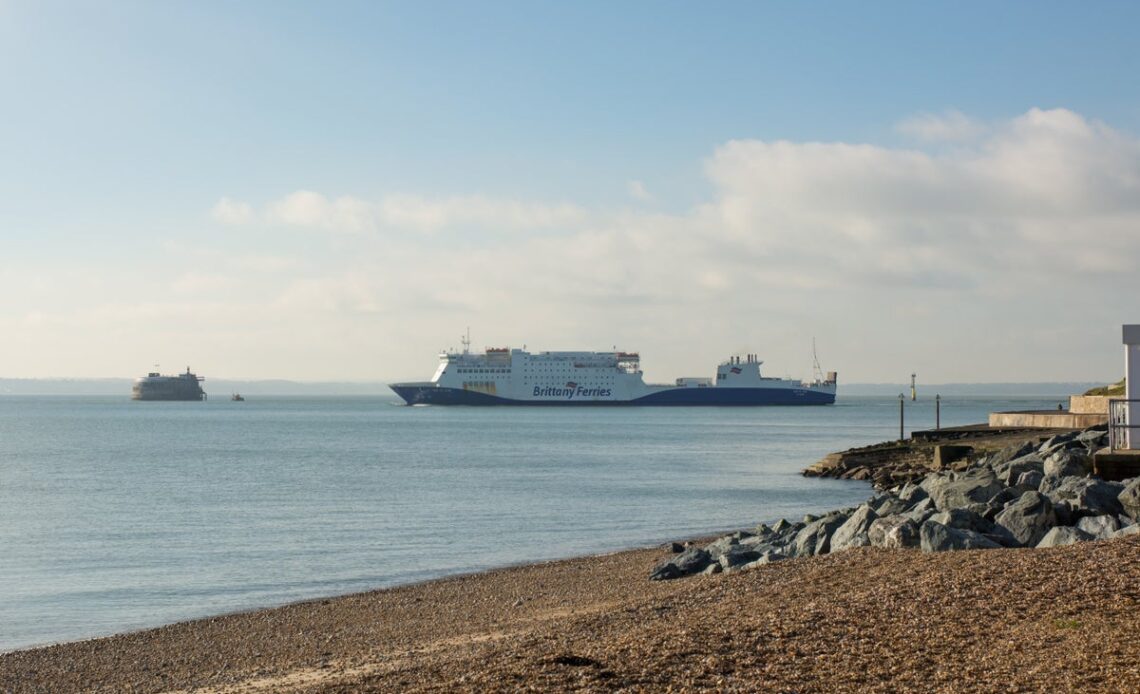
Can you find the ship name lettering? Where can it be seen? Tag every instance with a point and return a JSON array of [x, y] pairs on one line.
[[570, 393]]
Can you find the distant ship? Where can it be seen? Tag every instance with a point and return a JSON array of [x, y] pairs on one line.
[[502, 376], [155, 386]]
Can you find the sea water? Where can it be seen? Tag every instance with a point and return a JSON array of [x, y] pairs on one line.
[[118, 515]]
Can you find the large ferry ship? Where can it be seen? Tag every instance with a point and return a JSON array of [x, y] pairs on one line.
[[155, 386], [503, 376]]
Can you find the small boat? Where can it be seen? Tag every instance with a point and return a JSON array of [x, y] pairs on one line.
[[236, 397]]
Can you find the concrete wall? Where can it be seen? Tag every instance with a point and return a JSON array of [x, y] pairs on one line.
[[1046, 420], [1089, 404]]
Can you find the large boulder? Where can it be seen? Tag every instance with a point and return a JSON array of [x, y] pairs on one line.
[[1100, 527], [903, 535], [976, 486], [765, 558], [815, 537], [1028, 518], [1009, 453], [935, 537], [1127, 531], [1063, 535], [963, 519], [1060, 442], [1088, 496], [890, 506], [1064, 463], [1094, 439], [911, 493], [1009, 472], [1129, 499], [738, 555], [1029, 481], [853, 532], [878, 529], [688, 563]]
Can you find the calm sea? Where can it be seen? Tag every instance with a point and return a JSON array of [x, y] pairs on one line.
[[118, 515]]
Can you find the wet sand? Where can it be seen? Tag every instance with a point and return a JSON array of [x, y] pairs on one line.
[[1061, 619]]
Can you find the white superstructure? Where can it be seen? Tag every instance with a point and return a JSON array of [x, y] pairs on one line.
[[516, 376]]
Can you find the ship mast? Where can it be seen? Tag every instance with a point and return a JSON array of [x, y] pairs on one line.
[[466, 341], [816, 371]]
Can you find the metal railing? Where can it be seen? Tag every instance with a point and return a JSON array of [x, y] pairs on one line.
[[1121, 424]]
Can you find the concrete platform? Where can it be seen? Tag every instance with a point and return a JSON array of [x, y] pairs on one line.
[[1116, 465], [1047, 419]]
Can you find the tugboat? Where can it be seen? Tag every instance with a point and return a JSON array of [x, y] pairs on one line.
[[236, 397], [155, 386]]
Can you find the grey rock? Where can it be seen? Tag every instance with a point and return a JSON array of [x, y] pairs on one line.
[[1133, 529], [853, 532], [809, 519], [738, 555], [1093, 438], [1004, 497], [1124, 520], [1063, 535], [935, 537], [891, 506], [1011, 453], [963, 519], [1088, 496], [1009, 472], [879, 528], [1065, 463], [815, 537], [781, 526], [717, 548], [1049, 483], [1129, 499], [1100, 527], [1028, 518], [712, 569], [976, 486], [1059, 441], [1030, 481], [690, 562], [903, 535], [925, 505], [766, 558], [919, 515], [911, 493]]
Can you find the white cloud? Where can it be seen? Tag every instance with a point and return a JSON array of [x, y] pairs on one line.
[[305, 208], [405, 212], [888, 255], [229, 211], [638, 191], [951, 126]]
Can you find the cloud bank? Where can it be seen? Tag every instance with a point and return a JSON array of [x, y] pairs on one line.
[[996, 251]]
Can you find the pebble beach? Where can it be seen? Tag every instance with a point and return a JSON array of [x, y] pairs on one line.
[[864, 620]]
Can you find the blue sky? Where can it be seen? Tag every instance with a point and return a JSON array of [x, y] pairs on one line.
[[336, 190]]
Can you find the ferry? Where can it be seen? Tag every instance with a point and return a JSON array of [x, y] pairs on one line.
[[505, 376], [155, 386]]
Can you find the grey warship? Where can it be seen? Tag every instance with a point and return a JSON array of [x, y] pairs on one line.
[[155, 386]]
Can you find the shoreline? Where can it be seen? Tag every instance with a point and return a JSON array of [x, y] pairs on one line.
[[864, 619]]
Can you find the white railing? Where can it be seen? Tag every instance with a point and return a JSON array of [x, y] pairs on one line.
[[1121, 424]]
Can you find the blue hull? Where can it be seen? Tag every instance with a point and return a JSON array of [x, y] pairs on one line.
[[679, 397]]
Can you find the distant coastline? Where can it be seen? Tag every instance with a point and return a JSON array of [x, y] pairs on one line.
[[120, 386]]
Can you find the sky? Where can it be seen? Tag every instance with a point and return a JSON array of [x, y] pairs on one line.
[[339, 190]]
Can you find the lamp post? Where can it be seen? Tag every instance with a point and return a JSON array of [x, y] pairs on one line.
[[902, 400], [937, 411]]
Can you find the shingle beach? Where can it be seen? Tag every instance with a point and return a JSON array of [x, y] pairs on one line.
[[1059, 619]]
